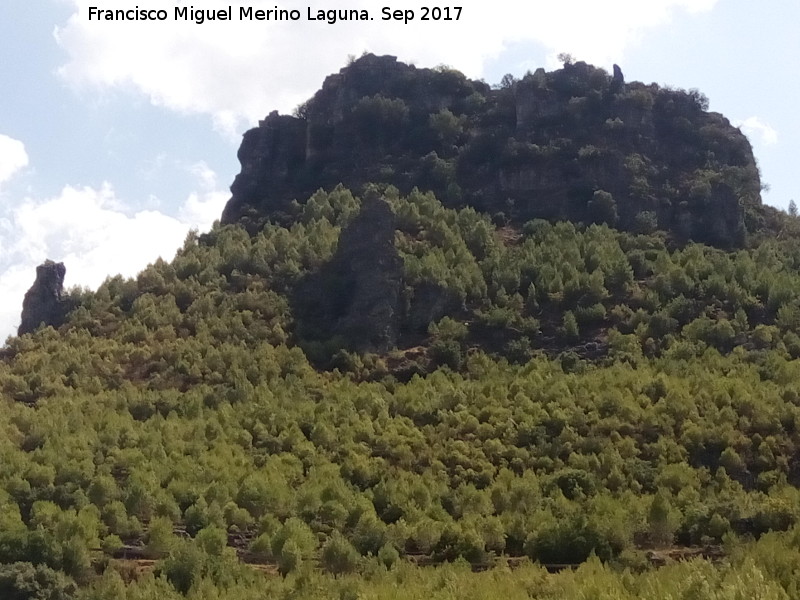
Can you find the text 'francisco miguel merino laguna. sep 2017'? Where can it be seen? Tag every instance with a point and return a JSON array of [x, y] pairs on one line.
[[249, 13]]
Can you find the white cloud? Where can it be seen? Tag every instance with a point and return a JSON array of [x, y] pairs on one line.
[[95, 234], [87, 228], [204, 174], [13, 157], [756, 129], [239, 71], [204, 207]]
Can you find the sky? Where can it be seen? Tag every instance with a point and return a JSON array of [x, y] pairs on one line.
[[117, 138]]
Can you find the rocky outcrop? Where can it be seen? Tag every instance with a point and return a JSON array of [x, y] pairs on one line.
[[44, 302], [369, 266], [618, 77], [270, 155], [376, 108], [357, 296], [538, 147]]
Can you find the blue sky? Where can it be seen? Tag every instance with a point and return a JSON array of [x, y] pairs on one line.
[[117, 138]]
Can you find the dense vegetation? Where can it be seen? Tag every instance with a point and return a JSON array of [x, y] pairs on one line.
[[583, 391]]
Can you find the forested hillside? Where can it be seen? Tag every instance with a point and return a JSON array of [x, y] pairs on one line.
[[591, 392], [372, 393]]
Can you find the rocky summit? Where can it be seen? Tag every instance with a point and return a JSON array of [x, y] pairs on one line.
[[575, 144]]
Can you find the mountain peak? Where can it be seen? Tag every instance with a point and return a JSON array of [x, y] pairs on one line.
[[572, 144]]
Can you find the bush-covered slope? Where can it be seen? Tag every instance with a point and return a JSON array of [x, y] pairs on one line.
[[598, 393]]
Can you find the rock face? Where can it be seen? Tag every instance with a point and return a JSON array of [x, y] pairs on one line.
[[270, 155], [357, 296], [44, 303], [619, 78], [539, 147]]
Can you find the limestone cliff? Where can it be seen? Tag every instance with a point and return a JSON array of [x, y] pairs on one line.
[[544, 146]]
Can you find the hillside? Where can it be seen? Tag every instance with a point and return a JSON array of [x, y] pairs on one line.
[[375, 391]]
